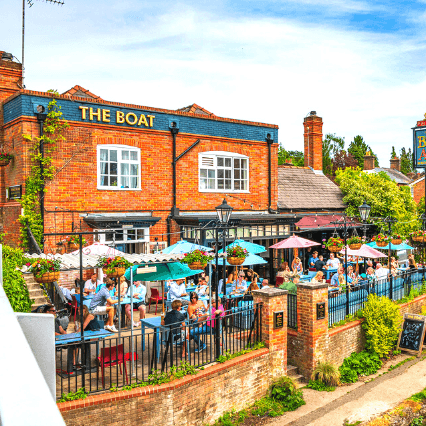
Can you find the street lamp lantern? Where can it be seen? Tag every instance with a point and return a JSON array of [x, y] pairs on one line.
[[224, 212], [364, 211]]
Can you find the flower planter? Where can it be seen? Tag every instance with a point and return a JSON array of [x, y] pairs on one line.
[[4, 162], [235, 260], [356, 246], [334, 249], [381, 243], [72, 247], [418, 239], [397, 242], [115, 272], [48, 277], [196, 265]]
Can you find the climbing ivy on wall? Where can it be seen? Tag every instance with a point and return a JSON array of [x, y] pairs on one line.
[[53, 128]]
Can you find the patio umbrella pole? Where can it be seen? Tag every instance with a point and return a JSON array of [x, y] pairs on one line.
[[132, 364], [119, 308]]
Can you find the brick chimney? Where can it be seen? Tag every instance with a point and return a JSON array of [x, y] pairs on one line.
[[368, 161], [395, 163], [10, 76], [313, 140]]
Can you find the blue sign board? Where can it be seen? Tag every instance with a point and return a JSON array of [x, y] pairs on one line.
[[419, 147]]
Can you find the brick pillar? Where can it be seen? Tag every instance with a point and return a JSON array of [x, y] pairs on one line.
[[313, 141], [395, 164], [274, 300], [369, 162], [312, 333]]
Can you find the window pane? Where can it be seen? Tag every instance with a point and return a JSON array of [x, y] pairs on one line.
[[243, 185], [237, 184], [104, 168], [113, 168], [236, 174], [113, 181], [211, 174], [124, 182], [104, 155], [104, 180], [124, 169], [220, 173], [141, 233], [124, 155], [134, 182], [134, 155], [203, 183], [212, 184], [131, 234], [220, 184], [236, 163], [228, 174], [220, 161], [228, 184], [134, 169], [244, 163], [113, 155], [119, 235], [203, 173], [243, 174], [228, 162]]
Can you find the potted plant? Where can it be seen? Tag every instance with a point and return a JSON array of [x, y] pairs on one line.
[[354, 242], [396, 239], [418, 236], [73, 242], [381, 240], [236, 255], [197, 259], [113, 267], [45, 270], [334, 244], [5, 159]]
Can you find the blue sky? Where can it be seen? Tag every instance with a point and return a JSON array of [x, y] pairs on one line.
[[359, 64]]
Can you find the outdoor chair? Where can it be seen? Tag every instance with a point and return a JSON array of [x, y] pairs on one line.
[[113, 356], [279, 281], [155, 296]]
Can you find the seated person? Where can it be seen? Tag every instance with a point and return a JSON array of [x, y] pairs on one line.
[[251, 287], [215, 311], [197, 313], [201, 287], [123, 287], [333, 263], [320, 264], [240, 284], [381, 272], [252, 276], [265, 283], [335, 279], [50, 309], [178, 290], [176, 321], [352, 274], [92, 325], [91, 284], [66, 292], [370, 275], [297, 266], [319, 277], [281, 270], [101, 304], [230, 278], [313, 259], [139, 294], [286, 273]]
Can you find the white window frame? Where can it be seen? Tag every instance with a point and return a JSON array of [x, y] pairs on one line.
[[103, 240], [119, 149], [213, 156]]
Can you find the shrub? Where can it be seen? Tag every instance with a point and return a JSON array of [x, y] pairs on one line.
[[319, 386], [13, 282], [284, 390], [326, 373], [359, 364], [382, 324]]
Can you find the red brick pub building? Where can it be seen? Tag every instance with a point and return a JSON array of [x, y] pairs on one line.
[[116, 167]]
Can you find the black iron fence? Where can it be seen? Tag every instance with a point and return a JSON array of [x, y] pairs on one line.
[[349, 301], [292, 310], [111, 362]]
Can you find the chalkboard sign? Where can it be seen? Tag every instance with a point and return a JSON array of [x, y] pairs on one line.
[[412, 334]]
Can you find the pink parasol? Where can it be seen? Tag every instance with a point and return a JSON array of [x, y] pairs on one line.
[[365, 251], [100, 249], [294, 242]]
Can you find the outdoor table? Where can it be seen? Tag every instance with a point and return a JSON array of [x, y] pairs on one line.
[[305, 278], [76, 337], [155, 324]]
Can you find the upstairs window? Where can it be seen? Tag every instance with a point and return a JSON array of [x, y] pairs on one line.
[[223, 172], [118, 167]]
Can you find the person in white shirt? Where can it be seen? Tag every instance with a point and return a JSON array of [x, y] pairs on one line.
[[265, 283], [333, 262], [139, 293], [177, 291], [381, 272], [66, 293], [91, 284], [240, 284]]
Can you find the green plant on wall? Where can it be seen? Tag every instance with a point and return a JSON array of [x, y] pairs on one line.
[[53, 128]]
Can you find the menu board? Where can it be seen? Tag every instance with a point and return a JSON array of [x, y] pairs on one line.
[[412, 334]]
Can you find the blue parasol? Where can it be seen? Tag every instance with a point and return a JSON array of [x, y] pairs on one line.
[[165, 272], [402, 246], [250, 247], [183, 246], [251, 259]]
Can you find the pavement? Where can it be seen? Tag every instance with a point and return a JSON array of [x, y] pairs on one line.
[[360, 401]]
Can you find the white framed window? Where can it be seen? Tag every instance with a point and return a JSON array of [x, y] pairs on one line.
[[124, 236], [119, 167], [221, 171]]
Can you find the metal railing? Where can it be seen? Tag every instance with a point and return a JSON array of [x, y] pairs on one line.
[[394, 288], [292, 310], [109, 363]]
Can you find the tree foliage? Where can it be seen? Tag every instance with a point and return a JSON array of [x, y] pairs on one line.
[[297, 157], [331, 145], [406, 158], [358, 148], [384, 196]]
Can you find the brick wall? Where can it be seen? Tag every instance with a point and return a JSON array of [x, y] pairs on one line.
[[419, 190], [192, 400], [313, 141]]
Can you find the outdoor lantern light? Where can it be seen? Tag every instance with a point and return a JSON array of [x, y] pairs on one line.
[[224, 212], [364, 211]]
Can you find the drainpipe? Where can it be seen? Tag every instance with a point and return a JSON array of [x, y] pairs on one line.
[[41, 117], [270, 141], [174, 130]]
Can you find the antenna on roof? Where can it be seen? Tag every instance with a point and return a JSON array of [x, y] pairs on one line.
[[30, 4]]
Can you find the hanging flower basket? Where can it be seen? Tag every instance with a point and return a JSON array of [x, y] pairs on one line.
[[381, 240], [396, 242], [45, 270], [113, 267], [73, 242], [334, 249], [355, 246], [4, 162], [197, 265], [114, 272], [334, 244], [72, 247], [48, 277], [418, 236], [5, 159], [381, 243], [235, 260], [354, 242]]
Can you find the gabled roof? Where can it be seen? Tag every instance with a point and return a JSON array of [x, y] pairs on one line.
[[81, 92], [195, 109], [300, 188], [394, 174], [323, 222]]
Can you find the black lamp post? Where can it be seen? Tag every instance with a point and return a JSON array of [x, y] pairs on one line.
[[364, 212], [223, 214]]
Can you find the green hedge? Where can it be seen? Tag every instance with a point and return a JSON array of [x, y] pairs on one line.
[[13, 282]]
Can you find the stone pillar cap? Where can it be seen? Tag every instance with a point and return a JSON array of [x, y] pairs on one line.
[[269, 292], [312, 286]]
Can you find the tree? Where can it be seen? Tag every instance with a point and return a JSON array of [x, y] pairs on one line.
[[358, 148], [296, 157], [342, 160], [331, 145], [406, 161], [393, 153], [384, 196]]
